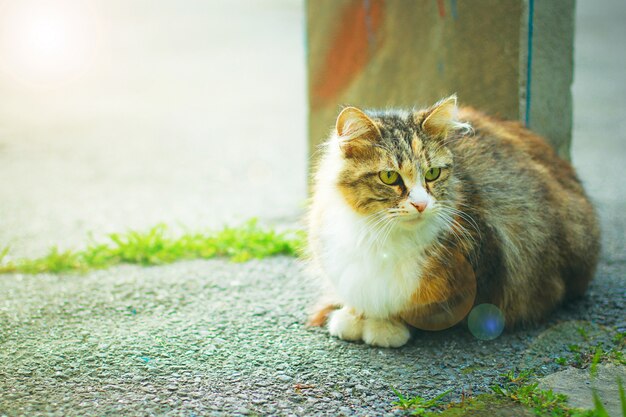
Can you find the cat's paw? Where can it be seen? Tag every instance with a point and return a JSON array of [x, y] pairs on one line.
[[344, 324], [385, 333]]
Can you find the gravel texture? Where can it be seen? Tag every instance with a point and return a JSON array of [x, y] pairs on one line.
[[218, 338]]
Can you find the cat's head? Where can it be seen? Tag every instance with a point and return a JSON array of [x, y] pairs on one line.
[[397, 163]]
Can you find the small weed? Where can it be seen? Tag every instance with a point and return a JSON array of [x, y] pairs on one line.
[[418, 405], [541, 402], [520, 389], [600, 410], [3, 253], [622, 396], [597, 356], [157, 246], [583, 358], [517, 378], [561, 360], [583, 332], [573, 348], [517, 389]]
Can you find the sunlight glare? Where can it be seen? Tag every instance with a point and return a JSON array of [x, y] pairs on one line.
[[46, 43]]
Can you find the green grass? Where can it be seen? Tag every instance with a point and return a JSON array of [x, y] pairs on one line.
[[418, 406], [158, 246], [583, 357], [517, 391]]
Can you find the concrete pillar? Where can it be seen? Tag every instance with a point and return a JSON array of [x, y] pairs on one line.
[[509, 58]]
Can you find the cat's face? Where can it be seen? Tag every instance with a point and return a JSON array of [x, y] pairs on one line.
[[396, 165]]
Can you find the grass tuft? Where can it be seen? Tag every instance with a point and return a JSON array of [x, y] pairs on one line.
[[585, 357], [542, 402], [157, 246], [3, 253], [418, 406], [517, 392]]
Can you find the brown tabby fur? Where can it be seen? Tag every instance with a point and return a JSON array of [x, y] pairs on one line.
[[528, 229]]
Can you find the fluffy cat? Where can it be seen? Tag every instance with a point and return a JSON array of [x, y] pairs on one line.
[[416, 216]]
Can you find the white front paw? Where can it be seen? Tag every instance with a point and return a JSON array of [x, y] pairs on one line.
[[345, 325], [385, 333]]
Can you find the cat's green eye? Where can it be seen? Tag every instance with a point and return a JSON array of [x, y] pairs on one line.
[[432, 174], [389, 177]]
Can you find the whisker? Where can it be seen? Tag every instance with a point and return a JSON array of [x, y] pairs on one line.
[[460, 233], [465, 216], [371, 224], [389, 229], [383, 230]]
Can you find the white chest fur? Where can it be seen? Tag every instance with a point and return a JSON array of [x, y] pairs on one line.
[[371, 273]]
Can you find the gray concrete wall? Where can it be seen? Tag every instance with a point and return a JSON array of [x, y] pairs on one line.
[[397, 53], [552, 73]]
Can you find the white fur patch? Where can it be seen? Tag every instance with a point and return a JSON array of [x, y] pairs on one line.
[[345, 325], [385, 333], [374, 274]]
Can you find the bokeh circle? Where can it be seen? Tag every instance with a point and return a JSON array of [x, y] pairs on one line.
[[486, 322]]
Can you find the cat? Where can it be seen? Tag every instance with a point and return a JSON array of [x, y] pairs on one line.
[[418, 215]]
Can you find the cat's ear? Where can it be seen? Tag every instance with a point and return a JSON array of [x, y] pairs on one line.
[[352, 123], [355, 131], [441, 119]]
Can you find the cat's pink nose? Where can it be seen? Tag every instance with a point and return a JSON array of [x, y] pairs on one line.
[[420, 206]]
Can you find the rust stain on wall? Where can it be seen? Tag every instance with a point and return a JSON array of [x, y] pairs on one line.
[[355, 41]]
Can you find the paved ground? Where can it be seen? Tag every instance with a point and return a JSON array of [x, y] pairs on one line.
[[202, 338], [170, 125]]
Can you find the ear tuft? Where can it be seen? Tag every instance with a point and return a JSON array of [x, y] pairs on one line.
[[441, 119]]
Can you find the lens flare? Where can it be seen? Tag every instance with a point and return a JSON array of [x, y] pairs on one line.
[[46, 43], [439, 305], [486, 322]]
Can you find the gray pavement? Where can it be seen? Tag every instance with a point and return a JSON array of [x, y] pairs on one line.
[[191, 115], [217, 338]]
